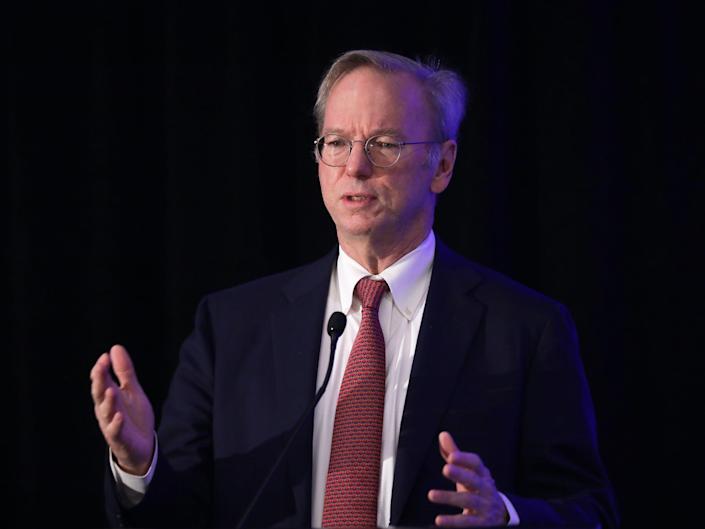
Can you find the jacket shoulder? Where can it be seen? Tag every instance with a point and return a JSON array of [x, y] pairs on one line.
[[497, 290], [259, 294]]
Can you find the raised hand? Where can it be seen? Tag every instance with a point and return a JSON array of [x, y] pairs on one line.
[[124, 412], [475, 492]]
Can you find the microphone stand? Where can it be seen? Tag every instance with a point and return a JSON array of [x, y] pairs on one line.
[[336, 325]]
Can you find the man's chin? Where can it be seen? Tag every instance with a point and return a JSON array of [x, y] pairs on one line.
[[356, 232]]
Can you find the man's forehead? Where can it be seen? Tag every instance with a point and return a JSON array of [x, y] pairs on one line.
[[388, 101]]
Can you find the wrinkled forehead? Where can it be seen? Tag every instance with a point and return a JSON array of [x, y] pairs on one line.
[[367, 99]]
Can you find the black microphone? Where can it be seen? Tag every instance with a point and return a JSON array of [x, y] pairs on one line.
[[335, 327]]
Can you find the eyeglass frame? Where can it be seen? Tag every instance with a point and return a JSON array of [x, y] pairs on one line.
[[366, 143]]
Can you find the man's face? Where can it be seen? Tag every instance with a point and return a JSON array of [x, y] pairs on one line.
[[392, 205]]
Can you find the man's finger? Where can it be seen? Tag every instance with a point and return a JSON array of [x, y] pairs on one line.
[[447, 445], [463, 476], [468, 460], [106, 410], [122, 366], [100, 378], [457, 520], [112, 430], [102, 362], [462, 500]]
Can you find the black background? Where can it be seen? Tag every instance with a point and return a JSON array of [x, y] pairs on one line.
[[141, 176]]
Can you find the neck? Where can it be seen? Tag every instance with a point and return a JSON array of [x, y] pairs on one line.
[[376, 256]]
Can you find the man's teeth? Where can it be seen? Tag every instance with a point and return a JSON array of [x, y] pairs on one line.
[[358, 197]]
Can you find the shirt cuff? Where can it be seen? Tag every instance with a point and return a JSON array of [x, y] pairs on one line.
[[513, 515], [131, 488]]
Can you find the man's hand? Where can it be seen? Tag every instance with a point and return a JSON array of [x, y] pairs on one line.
[[124, 413], [475, 491]]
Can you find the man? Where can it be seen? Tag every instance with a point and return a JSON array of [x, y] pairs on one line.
[[483, 416]]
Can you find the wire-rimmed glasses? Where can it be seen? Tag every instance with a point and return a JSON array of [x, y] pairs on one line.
[[381, 150]]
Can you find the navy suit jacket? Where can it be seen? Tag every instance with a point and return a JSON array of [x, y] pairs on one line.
[[496, 365]]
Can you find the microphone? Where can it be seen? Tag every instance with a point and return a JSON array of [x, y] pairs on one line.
[[335, 327]]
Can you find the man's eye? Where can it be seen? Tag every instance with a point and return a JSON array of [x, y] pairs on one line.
[[383, 144], [334, 142]]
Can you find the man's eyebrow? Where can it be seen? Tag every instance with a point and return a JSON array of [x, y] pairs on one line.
[[339, 132], [388, 131]]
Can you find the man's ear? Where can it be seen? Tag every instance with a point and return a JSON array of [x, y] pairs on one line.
[[444, 168]]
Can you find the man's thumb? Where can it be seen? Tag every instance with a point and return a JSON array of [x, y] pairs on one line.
[[447, 445], [122, 365]]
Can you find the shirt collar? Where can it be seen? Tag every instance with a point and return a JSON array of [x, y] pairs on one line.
[[408, 278]]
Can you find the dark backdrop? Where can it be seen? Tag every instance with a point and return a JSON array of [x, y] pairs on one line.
[[142, 174]]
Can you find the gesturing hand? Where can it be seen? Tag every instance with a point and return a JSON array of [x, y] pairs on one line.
[[475, 492], [124, 413]]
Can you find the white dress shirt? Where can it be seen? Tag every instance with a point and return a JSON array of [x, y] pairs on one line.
[[400, 313]]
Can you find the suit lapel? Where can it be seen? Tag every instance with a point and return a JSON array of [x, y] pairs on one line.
[[450, 320], [296, 328]]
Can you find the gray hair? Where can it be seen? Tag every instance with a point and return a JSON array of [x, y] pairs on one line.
[[445, 89]]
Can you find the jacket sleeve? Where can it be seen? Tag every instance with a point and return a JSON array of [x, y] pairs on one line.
[[559, 460], [180, 492]]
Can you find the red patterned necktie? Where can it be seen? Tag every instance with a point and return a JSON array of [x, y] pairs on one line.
[[352, 485]]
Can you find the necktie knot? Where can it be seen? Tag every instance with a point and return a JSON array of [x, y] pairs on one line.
[[370, 292]]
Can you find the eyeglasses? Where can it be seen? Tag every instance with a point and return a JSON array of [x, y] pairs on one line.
[[381, 150]]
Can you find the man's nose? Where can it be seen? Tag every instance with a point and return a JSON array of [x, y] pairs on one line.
[[359, 165]]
